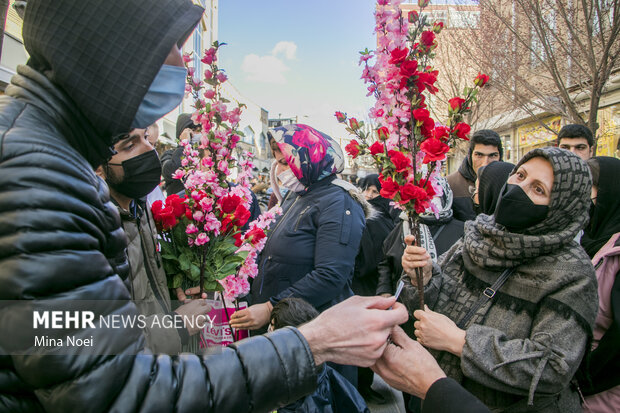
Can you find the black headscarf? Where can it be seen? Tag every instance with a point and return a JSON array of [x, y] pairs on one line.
[[605, 216], [380, 203], [370, 180], [491, 179]]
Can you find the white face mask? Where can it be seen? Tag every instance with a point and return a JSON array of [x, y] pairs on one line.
[[290, 181]]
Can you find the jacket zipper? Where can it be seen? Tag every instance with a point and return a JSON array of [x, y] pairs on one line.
[[262, 280], [280, 221], [301, 215]]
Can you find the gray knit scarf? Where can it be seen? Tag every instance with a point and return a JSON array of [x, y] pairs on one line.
[[548, 263]]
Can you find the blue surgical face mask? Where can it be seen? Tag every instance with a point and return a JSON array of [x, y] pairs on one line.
[[165, 93]]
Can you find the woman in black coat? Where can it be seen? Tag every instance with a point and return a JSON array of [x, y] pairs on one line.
[[311, 248], [378, 226]]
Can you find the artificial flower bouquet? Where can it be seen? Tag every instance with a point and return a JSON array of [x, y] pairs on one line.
[[206, 239], [407, 146]]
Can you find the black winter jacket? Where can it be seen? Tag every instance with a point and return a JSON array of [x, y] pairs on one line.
[[61, 238], [378, 227], [311, 248]]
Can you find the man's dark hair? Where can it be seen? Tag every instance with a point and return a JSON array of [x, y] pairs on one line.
[[486, 137], [576, 131], [292, 312]]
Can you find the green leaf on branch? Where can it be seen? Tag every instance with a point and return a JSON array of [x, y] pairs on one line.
[[228, 269], [194, 272], [177, 281], [210, 285], [218, 261], [184, 262], [171, 267], [243, 255]]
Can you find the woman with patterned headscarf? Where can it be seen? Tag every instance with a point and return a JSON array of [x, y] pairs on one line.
[[514, 301], [311, 248]]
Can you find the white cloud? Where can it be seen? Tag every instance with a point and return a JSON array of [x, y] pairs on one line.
[[289, 49], [269, 68]]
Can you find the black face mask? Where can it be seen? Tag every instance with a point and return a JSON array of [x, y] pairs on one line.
[[142, 175], [516, 211]]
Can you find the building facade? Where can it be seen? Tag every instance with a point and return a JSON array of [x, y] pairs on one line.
[[461, 21], [13, 52], [201, 39], [526, 51]]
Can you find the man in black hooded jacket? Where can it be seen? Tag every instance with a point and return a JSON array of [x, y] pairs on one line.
[[91, 68]]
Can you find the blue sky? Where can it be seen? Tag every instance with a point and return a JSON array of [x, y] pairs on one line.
[[299, 58]]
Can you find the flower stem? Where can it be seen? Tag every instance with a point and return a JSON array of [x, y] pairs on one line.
[[202, 269], [419, 274], [227, 318]]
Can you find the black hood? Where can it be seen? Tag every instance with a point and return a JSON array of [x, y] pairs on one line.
[[104, 55], [467, 170], [184, 121]]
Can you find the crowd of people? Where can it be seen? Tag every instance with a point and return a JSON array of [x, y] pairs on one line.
[[520, 262]]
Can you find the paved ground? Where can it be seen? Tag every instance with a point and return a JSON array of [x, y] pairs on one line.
[[394, 398]]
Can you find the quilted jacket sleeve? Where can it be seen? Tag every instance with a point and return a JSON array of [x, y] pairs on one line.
[[61, 241]]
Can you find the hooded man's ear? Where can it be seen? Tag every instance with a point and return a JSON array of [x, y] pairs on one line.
[[99, 171]]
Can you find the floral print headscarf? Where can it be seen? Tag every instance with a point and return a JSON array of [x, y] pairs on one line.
[[311, 155]]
